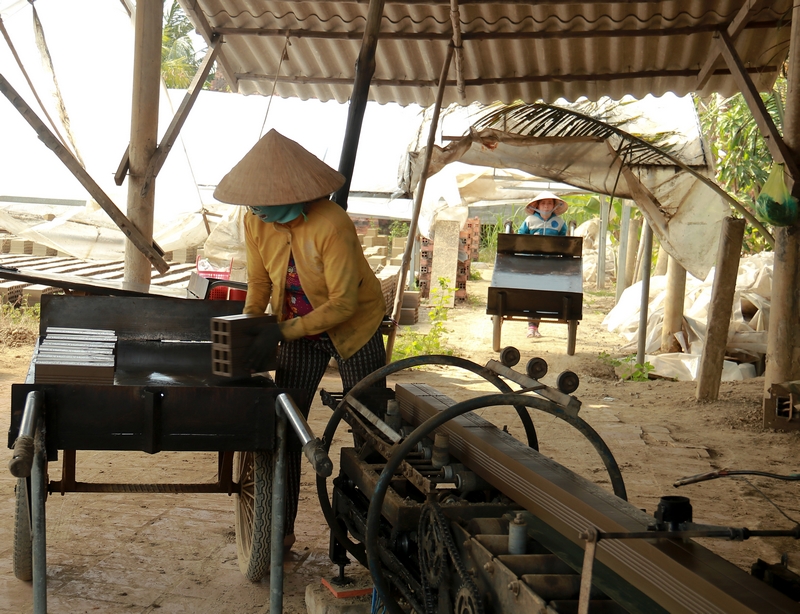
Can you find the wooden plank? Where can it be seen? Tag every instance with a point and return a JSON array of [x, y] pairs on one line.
[[777, 147], [174, 128], [195, 13], [151, 250], [719, 310], [749, 9]]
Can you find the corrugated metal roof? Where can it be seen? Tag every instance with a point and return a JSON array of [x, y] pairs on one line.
[[512, 50]]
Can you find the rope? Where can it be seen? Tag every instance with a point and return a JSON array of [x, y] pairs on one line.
[[284, 56]]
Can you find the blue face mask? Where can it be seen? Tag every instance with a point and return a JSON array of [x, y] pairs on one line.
[[278, 213]]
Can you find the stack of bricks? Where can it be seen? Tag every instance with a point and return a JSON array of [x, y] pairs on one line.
[[469, 241], [409, 312], [398, 247], [75, 356], [231, 339], [375, 248], [425, 264]]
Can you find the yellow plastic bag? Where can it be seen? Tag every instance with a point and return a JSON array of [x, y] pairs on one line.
[[775, 204]]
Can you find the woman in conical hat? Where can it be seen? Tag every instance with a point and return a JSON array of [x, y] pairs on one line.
[[304, 259], [544, 218]]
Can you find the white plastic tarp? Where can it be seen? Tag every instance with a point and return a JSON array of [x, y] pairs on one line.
[[93, 66], [747, 333]]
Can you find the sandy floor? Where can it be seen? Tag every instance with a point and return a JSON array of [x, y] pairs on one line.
[[177, 553]]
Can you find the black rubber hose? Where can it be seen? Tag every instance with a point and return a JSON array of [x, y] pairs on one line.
[[430, 425], [357, 550]]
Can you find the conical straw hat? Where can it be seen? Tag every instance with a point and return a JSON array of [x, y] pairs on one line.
[[277, 171], [561, 204]]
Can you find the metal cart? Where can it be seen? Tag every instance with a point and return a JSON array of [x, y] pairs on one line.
[[163, 398], [537, 277]]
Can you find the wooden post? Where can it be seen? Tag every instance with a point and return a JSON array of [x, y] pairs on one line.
[[720, 308], [144, 131], [601, 243], [673, 305], [661, 261], [633, 250], [622, 254], [365, 68], [418, 193], [644, 307], [783, 353]]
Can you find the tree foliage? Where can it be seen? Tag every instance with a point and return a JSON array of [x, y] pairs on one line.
[[179, 61], [741, 156]]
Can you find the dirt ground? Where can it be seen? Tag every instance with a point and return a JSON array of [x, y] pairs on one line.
[[140, 553]]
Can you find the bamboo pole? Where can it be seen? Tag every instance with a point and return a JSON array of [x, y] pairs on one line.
[[418, 193], [783, 353], [622, 255], [644, 307], [365, 68], [720, 308], [148, 247], [144, 130], [601, 243], [673, 305], [661, 261], [633, 249]]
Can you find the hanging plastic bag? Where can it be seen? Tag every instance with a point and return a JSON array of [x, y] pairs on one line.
[[775, 204]]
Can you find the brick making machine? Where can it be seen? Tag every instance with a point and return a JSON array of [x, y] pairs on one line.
[[452, 514]]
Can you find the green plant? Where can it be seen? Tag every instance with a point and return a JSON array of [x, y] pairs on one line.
[[19, 325], [629, 368], [475, 275], [412, 343]]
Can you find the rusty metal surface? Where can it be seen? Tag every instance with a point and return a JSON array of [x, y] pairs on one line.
[[151, 318], [538, 277], [679, 576]]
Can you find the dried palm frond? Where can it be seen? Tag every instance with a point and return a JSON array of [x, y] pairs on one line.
[[545, 120]]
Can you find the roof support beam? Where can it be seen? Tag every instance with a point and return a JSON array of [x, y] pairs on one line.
[[783, 338], [148, 20], [459, 51], [150, 249], [739, 23], [480, 36], [195, 14], [365, 68], [650, 74], [174, 128], [168, 140], [780, 152]]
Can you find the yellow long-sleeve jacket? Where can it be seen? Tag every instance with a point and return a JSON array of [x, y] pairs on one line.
[[344, 292]]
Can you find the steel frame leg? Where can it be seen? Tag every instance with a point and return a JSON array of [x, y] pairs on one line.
[[278, 519], [38, 524]]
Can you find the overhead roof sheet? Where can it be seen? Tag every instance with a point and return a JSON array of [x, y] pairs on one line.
[[511, 50]]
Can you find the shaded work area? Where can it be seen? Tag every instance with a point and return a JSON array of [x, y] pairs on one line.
[[448, 511]]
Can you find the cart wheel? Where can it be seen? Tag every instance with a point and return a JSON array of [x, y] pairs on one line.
[[572, 335], [509, 356], [253, 472], [536, 368], [567, 382], [23, 544], [497, 324]]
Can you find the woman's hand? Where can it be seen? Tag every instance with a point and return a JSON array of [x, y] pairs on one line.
[[263, 346]]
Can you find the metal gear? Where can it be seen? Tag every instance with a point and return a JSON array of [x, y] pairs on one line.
[[432, 548], [466, 603]]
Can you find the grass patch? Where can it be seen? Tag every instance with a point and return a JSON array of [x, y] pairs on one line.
[[19, 324]]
